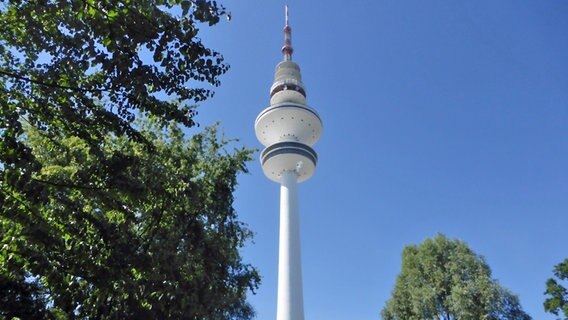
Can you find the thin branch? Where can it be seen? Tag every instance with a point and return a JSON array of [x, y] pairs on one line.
[[65, 185], [51, 85]]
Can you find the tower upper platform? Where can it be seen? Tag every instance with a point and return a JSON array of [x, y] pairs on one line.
[[288, 127]]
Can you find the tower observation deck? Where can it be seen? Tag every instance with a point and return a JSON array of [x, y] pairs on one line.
[[288, 128]]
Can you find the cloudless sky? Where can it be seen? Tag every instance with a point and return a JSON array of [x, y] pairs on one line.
[[439, 117]]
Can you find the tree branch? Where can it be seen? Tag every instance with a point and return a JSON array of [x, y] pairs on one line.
[[51, 85], [65, 185]]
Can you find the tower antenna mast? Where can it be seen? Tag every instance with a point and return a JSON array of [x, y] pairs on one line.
[[287, 49]]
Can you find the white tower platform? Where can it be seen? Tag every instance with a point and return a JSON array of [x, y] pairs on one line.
[[288, 129]]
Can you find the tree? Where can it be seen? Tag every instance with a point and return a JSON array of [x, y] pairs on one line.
[[101, 217], [86, 68], [164, 247], [445, 279], [557, 300]]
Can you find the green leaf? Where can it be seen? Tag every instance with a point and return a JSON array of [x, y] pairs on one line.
[[185, 5], [112, 14]]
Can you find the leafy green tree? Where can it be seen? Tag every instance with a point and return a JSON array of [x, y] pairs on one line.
[[557, 300], [158, 242], [100, 217], [86, 67], [445, 279]]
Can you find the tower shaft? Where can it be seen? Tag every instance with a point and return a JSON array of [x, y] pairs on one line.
[[290, 294]]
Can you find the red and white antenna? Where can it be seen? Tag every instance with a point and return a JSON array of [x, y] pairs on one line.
[[287, 49]]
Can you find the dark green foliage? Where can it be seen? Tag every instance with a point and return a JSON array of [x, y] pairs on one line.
[[557, 294], [86, 68], [101, 218], [445, 279], [20, 298], [158, 240]]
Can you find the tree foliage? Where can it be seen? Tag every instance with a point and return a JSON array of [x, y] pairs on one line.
[[158, 242], [557, 294], [86, 68], [102, 218], [445, 279]]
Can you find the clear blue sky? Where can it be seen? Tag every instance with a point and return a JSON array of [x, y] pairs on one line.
[[439, 116]]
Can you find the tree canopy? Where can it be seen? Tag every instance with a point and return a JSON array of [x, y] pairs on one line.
[[444, 279], [159, 241], [557, 294], [106, 210], [87, 68]]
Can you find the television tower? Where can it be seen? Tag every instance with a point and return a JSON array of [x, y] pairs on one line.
[[288, 128]]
